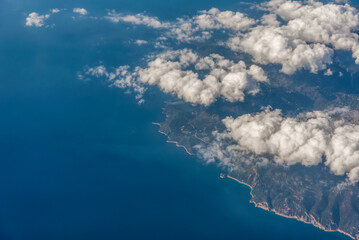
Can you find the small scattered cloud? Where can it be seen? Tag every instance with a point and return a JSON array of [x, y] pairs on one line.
[[55, 10], [98, 71], [81, 11], [36, 20], [141, 42], [138, 19], [119, 77], [328, 72]]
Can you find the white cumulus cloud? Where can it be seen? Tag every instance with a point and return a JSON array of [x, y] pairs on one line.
[[304, 139], [34, 19], [200, 27], [199, 80], [81, 11], [269, 44], [306, 38], [316, 22], [141, 42], [55, 10], [171, 71]]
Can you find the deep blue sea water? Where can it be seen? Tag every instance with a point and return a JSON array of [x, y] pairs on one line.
[[80, 160]]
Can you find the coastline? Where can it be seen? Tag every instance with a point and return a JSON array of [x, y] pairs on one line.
[[313, 222], [177, 144]]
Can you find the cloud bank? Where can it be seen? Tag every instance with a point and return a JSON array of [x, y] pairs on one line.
[[171, 72], [197, 28], [201, 80], [268, 45], [293, 34], [305, 39], [304, 139]]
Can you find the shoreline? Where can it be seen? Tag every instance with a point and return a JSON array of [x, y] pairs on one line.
[[169, 141], [313, 222]]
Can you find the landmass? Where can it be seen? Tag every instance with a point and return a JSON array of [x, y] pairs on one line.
[[309, 194]]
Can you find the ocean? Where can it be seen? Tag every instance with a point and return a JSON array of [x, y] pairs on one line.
[[81, 160]]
